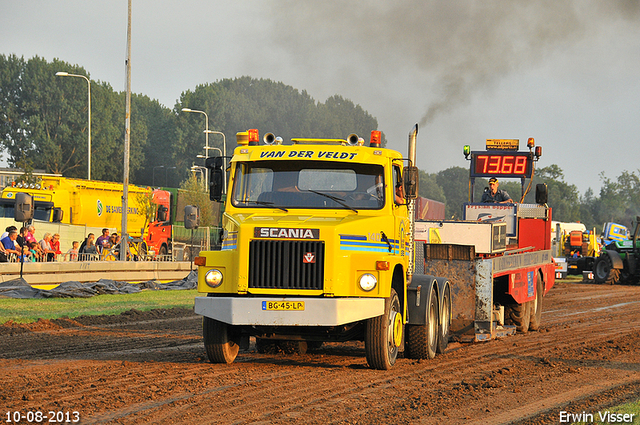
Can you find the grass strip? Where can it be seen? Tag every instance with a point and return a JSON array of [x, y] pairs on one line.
[[30, 310]]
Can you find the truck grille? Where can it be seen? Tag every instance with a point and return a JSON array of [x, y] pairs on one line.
[[286, 264]]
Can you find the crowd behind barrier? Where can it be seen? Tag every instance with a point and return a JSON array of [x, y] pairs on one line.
[[186, 245]]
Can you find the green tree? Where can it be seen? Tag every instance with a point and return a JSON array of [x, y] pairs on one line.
[[454, 182], [563, 197], [193, 193], [146, 208], [428, 187]]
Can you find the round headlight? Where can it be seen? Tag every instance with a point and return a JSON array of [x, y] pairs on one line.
[[367, 282], [213, 278]]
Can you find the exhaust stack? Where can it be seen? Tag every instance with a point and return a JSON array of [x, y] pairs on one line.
[[412, 205]]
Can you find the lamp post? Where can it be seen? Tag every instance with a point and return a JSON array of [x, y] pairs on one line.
[[206, 131], [66, 74], [199, 169], [224, 156], [154, 174], [166, 179]]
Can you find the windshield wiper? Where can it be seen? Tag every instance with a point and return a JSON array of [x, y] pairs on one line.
[[268, 204], [334, 198]]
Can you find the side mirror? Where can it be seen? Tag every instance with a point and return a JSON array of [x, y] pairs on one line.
[[411, 179], [24, 207], [57, 215], [161, 215], [214, 164], [191, 217], [542, 193]]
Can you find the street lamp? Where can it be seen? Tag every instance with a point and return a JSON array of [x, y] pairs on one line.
[[199, 169], [166, 179], [166, 171], [206, 130], [66, 74], [154, 174], [224, 156]]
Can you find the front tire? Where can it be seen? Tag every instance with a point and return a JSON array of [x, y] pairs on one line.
[[422, 340], [604, 272], [217, 341], [383, 335]]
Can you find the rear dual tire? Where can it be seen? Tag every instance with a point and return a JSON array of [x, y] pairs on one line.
[[424, 341]]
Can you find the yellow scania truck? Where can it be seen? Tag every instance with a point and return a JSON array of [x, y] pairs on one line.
[[318, 246]]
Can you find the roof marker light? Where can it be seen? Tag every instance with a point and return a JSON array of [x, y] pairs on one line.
[[254, 137], [376, 139]]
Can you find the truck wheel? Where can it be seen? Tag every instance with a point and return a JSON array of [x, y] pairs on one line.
[[603, 271], [536, 307], [519, 315], [383, 335], [445, 320], [422, 340], [266, 346], [217, 342], [293, 347]]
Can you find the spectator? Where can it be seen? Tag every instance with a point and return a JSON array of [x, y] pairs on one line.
[[16, 245], [84, 243], [73, 252], [30, 237], [102, 241], [7, 230], [9, 242], [26, 255], [36, 252], [22, 241], [90, 249], [4, 257], [45, 245], [55, 245]]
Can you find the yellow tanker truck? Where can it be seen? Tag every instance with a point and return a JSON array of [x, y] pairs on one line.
[[81, 202]]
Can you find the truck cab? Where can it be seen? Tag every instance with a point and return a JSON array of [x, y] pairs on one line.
[[315, 248]]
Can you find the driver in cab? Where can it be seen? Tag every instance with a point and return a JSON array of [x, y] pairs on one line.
[[495, 195]]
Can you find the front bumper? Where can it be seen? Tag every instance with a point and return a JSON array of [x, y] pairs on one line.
[[317, 311]]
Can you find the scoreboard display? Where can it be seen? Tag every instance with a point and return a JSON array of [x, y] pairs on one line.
[[501, 164]]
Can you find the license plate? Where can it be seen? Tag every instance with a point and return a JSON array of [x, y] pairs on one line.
[[283, 305]]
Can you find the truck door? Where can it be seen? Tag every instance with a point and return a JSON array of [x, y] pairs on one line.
[[401, 224]]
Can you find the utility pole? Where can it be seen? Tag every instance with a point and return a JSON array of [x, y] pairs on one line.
[[124, 241]]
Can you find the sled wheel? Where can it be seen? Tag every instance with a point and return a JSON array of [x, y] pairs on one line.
[[536, 307], [519, 315]]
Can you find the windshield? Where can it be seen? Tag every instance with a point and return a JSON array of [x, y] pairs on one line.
[[308, 184], [41, 210]]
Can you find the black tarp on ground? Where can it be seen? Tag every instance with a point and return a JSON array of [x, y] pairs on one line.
[[19, 288]]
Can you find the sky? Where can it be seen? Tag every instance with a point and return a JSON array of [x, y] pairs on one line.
[[563, 72]]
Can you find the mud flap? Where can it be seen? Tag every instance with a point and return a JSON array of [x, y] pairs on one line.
[[418, 298]]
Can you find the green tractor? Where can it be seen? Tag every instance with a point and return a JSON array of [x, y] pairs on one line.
[[619, 261]]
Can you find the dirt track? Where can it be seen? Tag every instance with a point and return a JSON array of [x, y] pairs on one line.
[[151, 368]]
